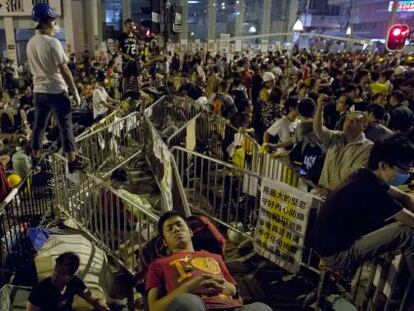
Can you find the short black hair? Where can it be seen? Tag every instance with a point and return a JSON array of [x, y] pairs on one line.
[[120, 175], [401, 119], [350, 88], [375, 75], [348, 101], [306, 107], [400, 95], [128, 20], [291, 103], [70, 261], [167, 215], [100, 77], [395, 150], [377, 110], [376, 96]]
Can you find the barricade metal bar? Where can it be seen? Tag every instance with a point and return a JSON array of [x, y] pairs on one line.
[[23, 208], [120, 112], [111, 220], [214, 189], [112, 143], [178, 138]]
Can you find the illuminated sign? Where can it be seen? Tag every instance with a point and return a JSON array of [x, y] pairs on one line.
[[403, 6]]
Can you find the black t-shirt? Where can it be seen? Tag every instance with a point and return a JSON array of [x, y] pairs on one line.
[[128, 44], [358, 207], [193, 91], [48, 297]]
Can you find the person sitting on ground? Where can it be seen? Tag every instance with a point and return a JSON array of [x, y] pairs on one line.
[[190, 280], [102, 102], [346, 151], [189, 88], [368, 216], [343, 104], [376, 131], [283, 127], [56, 293], [402, 120], [305, 110]]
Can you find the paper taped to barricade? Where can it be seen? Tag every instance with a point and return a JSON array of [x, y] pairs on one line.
[[281, 227], [190, 139], [250, 184], [166, 182]]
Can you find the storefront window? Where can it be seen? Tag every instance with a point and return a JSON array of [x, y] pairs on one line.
[[113, 18], [253, 12]]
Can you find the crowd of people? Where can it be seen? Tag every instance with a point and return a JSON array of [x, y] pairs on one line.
[[344, 120]]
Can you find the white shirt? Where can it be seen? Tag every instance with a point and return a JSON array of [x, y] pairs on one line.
[[283, 128], [99, 95], [45, 54]]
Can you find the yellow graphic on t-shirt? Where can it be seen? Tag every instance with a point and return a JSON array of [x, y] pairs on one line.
[[183, 275], [206, 264]]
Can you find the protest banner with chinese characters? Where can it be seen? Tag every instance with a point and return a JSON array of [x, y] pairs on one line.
[[24, 7], [281, 227]]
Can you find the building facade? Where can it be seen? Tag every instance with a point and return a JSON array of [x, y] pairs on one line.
[[86, 23], [370, 18]]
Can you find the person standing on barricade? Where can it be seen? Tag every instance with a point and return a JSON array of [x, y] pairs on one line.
[[128, 47], [51, 79]]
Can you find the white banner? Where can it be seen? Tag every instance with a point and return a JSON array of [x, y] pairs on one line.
[[283, 218], [24, 7]]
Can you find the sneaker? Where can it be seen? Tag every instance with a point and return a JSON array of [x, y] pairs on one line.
[[76, 165], [36, 165]]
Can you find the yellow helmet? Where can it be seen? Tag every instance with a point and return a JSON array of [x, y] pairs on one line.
[[14, 180]]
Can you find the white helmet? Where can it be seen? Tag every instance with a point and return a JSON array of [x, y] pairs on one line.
[[268, 76]]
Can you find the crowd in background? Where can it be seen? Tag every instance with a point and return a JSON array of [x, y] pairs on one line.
[[272, 95]]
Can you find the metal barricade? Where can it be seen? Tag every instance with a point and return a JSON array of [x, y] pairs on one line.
[[227, 193], [170, 113], [112, 144], [230, 195], [216, 137], [24, 207], [123, 110], [163, 166], [13, 297], [117, 224]]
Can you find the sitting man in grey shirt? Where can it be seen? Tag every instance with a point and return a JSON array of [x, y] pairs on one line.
[[376, 131], [346, 151]]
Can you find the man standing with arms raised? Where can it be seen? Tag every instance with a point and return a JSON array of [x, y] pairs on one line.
[[51, 79]]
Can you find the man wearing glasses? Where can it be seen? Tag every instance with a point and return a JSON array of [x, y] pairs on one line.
[[368, 216]]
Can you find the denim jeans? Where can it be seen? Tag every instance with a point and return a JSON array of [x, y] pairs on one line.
[[392, 237], [61, 107], [191, 302]]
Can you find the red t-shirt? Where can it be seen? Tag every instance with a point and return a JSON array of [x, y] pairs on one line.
[[170, 272], [247, 78], [4, 184]]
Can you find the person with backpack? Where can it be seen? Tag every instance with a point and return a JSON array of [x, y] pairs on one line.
[[189, 280], [222, 103]]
